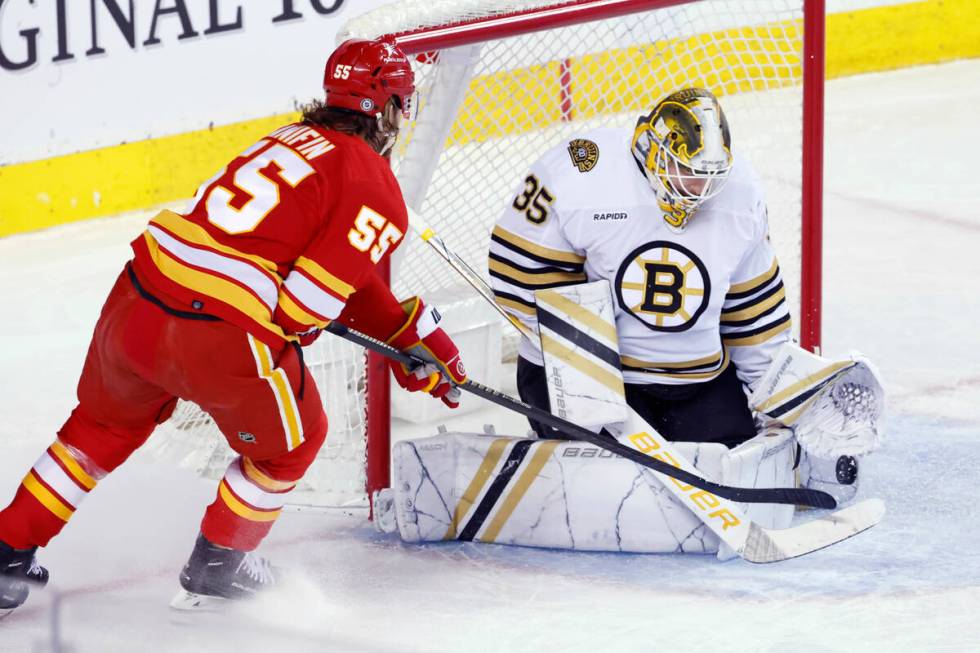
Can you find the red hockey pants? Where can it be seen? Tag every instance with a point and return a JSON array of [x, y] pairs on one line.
[[140, 360]]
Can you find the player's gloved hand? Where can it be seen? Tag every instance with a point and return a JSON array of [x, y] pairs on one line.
[[421, 337]]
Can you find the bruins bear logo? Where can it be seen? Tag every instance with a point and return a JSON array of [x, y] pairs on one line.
[[584, 154], [663, 285]]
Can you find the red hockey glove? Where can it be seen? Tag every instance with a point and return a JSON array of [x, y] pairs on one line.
[[421, 337]]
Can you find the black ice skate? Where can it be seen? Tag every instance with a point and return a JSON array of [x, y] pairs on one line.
[[18, 572], [214, 575]]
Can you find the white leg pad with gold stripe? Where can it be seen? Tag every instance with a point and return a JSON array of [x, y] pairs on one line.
[[554, 494]]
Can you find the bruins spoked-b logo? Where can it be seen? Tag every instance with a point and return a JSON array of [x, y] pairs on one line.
[[584, 154], [664, 285]]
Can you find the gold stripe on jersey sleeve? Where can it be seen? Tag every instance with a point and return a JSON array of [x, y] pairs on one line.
[[483, 474], [755, 310], [713, 359], [520, 243], [520, 488], [534, 279], [514, 305], [755, 282], [192, 233], [326, 279], [733, 340], [698, 376], [297, 313], [211, 286]]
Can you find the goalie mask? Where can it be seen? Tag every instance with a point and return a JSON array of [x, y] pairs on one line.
[[684, 149]]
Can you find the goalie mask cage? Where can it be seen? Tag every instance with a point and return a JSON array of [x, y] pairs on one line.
[[502, 81]]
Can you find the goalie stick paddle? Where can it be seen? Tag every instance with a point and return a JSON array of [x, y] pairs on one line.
[[797, 496]]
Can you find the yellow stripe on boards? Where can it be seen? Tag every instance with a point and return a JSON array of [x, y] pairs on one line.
[[47, 499], [112, 180], [241, 509], [62, 453], [121, 178], [475, 486], [520, 489]]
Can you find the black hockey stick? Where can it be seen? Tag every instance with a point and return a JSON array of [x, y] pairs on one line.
[[797, 496]]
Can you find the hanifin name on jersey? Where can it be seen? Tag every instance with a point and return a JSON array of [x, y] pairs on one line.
[[609, 216]]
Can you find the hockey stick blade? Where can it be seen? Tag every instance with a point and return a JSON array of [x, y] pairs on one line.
[[797, 496], [763, 545]]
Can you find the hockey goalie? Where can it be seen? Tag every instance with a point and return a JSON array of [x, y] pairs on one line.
[[638, 266]]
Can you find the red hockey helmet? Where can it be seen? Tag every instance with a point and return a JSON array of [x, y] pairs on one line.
[[363, 75]]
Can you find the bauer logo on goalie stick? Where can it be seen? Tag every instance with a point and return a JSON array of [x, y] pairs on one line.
[[664, 285], [584, 154]]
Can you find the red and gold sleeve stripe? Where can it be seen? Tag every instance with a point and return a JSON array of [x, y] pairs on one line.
[[58, 481], [326, 280]]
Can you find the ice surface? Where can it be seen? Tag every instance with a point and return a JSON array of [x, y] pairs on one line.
[[902, 284]]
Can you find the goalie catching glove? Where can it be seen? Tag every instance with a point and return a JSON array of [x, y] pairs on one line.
[[422, 338]]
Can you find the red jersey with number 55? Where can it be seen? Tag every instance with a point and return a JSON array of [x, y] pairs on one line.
[[279, 240]]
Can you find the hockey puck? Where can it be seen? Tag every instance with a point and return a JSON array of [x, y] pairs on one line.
[[847, 470]]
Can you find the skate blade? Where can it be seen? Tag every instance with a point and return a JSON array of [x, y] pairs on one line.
[[5, 611], [191, 602]]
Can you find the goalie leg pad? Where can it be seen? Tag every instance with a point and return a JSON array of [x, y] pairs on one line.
[[564, 495]]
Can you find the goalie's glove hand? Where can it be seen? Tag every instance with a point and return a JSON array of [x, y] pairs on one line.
[[422, 338]]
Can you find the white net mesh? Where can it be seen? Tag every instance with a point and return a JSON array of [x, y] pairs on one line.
[[487, 111]]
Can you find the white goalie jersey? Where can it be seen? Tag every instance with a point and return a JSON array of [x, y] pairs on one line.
[[688, 304]]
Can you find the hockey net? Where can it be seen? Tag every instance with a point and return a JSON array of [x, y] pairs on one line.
[[500, 82]]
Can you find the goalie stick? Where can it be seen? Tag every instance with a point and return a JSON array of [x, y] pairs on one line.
[[470, 275], [797, 496], [748, 539]]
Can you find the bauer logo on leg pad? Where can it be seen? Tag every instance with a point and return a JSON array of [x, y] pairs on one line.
[[706, 502]]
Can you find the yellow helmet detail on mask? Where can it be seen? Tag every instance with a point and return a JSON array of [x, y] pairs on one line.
[[684, 148]]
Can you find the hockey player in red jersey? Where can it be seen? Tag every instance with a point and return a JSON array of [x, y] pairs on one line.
[[213, 308]]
